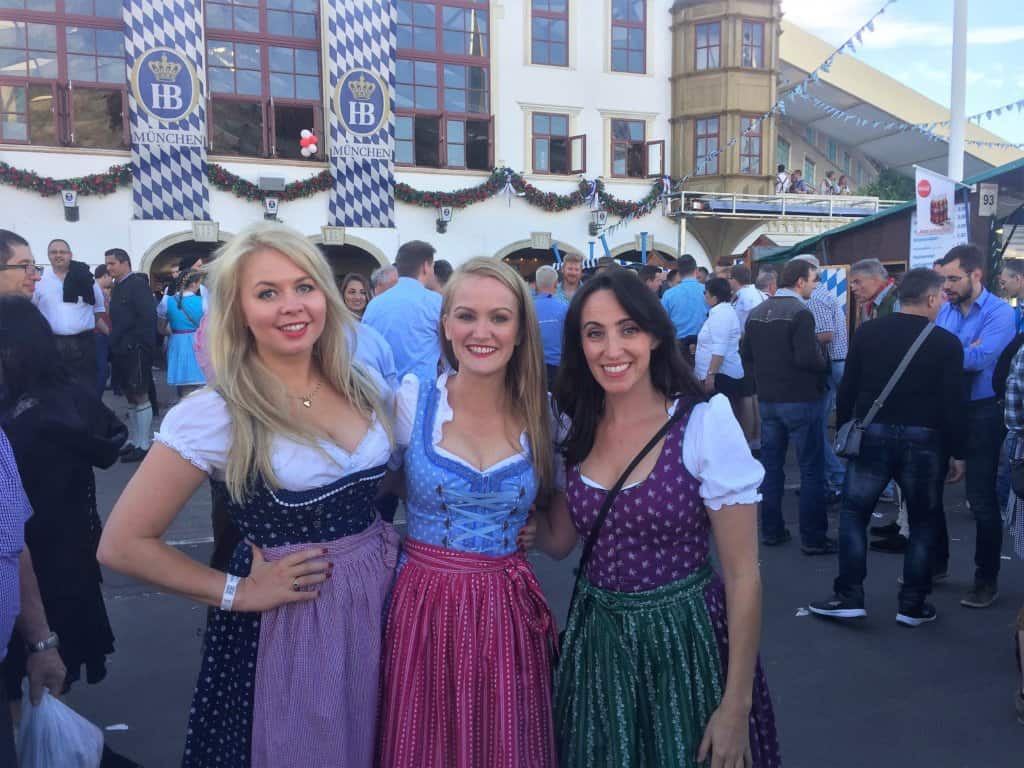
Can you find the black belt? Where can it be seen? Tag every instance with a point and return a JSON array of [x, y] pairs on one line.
[[76, 335]]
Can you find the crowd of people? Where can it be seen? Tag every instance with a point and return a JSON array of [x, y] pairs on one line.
[[638, 415]]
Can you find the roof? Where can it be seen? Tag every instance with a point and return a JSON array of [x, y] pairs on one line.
[[811, 243], [859, 89]]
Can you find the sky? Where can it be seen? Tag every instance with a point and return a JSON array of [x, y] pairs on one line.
[[912, 42]]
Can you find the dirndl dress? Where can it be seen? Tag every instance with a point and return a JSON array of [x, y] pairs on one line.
[[297, 686], [645, 652], [469, 640], [182, 367]]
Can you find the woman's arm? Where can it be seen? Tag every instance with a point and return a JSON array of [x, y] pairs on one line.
[[735, 530], [131, 543], [556, 534]]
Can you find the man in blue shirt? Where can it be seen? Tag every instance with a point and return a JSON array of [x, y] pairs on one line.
[[984, 324], [551, 314], [408, 315], [685, 303]]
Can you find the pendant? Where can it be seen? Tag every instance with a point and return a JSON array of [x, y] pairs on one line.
[[307, 403]]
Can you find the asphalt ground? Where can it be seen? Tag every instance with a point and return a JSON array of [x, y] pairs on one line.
[[846, 695]]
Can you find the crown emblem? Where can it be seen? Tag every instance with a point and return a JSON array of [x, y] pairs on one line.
[[362, 88], [164, 70]]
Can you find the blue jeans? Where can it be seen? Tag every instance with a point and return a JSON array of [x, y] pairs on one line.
[[834, 469], [913, 457], [802, 423], [985, 434]]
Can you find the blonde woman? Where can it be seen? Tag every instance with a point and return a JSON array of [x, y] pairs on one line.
[[294, 438], [469, 638]]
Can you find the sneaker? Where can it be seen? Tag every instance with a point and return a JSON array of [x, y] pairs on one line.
[[135, 455], [916, 616], [827, 547], [838, 608], [895, 545], [776, 540], [885, 530], [982, 596]]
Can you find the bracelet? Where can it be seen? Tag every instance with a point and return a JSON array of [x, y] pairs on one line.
[[230, 588], [52, 641]]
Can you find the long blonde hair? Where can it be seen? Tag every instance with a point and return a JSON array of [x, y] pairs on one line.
[[257, 402], [525, 377]]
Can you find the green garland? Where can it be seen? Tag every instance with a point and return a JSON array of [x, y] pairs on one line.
[[116, 176]]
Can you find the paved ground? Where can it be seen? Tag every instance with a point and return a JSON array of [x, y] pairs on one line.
[[846, 696]]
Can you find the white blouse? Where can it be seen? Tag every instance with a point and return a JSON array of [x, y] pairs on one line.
[[199, 430], [405, 418], [720, 335], [715, 452]]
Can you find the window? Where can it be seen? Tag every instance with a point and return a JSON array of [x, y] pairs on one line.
[[811, 136], [554, 150], [708, 47], [283, 18], [549, 42], [628, 148], [782, 151], [846, 163], [753, 44], [629, 33], [442, 84], [833, 151], [809, 169], [263, 73], [62, 80], [706, 138], [750, 146], [860, 175]]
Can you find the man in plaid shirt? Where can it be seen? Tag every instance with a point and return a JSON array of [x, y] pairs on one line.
[[1013, 415], [830, 328]]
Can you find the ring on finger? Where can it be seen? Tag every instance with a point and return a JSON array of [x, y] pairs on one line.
[[295, 585]]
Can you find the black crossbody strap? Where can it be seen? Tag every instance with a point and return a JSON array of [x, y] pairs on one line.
[[609, 499]]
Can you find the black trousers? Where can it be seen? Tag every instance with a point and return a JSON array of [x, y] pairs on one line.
[[78, 353], [7, 756]]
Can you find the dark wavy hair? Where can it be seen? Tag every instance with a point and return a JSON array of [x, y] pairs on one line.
[[578, 395], [29, 362]]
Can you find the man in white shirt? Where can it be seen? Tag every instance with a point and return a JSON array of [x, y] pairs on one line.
[[745, 295], [781, 181], [70, 300]]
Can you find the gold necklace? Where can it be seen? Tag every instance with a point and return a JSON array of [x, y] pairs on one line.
[[307, 400]]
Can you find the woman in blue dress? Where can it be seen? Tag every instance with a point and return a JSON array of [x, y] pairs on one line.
[[185, 311], [296, 440], [470, 640]]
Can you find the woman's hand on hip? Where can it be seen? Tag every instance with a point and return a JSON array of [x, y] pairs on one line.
[[272, 584]]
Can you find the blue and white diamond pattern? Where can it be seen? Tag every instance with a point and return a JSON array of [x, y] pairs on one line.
[[361, 33], [835, 280], [169, 182]]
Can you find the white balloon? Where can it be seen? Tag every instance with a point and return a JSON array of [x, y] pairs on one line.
[[304, 133], [312, 149], [305, 152]]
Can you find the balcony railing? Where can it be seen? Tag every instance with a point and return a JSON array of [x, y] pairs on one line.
[[739, 205]]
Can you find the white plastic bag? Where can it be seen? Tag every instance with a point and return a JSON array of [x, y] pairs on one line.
[[52, 735]]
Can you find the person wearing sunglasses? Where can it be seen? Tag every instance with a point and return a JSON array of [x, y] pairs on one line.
[[18, 273]]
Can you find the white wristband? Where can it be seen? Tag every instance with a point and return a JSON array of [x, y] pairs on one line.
[[230, 588]]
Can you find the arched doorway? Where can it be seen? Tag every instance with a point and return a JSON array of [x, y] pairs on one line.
[[348, 258], [167, 259], [527, 260]]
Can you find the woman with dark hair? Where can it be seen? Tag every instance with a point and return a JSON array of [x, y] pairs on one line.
[[356, 293], [659, 661], [718, 363], [59, 430]]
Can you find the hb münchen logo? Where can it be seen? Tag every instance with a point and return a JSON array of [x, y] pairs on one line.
[[362, 102], [165, 84]]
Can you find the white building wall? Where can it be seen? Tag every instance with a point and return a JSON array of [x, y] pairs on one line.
[[587, 90]]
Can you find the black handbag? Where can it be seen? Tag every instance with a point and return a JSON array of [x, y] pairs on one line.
[[850, 435], [609, 499]]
